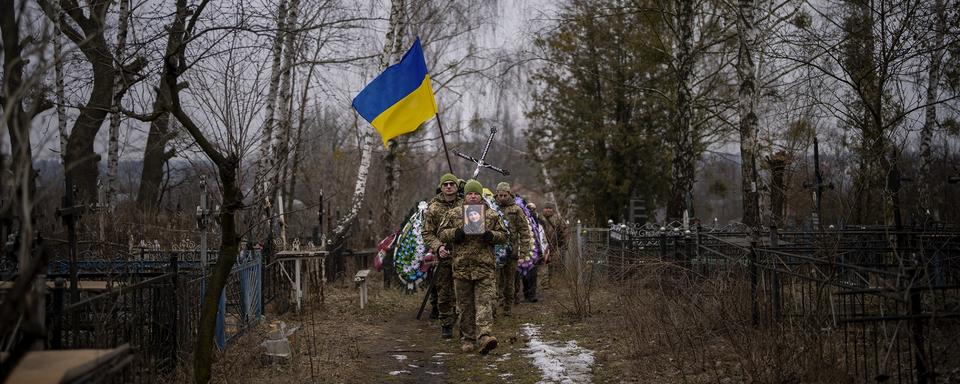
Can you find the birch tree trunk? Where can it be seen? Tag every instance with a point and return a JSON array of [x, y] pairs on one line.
[[59, 85], [930, 111], [681, 188], [366, 136], [281, 138], [394, 146], [265, 163], [113, 149], [747, 74]]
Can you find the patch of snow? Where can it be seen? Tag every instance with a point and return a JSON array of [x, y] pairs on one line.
[[558, 362], [434, 373], [413, 366], [394, 373], [506, 375], [400, 357]]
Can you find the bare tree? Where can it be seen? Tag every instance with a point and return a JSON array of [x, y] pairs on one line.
[[936, 49], [113, 149], [21, 102], [80, 159], [265, 165], [227, 164], [365, 143], [746, 71]]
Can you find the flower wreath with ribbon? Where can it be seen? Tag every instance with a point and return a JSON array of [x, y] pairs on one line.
[[408, 258], [527, 261], [499, 250]]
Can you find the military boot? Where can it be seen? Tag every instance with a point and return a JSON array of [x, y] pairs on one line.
[[446, 332], [487, 344]]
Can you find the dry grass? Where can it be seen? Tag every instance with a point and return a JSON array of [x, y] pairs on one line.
[[698, 330]]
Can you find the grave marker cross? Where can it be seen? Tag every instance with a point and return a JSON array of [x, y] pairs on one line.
[[817, 185], [481, 162]]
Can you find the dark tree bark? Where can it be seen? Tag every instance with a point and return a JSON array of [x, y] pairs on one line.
[[155, 154], [18, 119], [227, 170], [80, 160], [684, 161], [778, 187]]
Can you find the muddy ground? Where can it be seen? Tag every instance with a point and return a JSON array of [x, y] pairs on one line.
[[384, 343]]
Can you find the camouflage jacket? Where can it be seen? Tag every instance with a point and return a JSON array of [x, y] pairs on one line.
[[555, 230], [473, 257], [432, 219], [521, 237]]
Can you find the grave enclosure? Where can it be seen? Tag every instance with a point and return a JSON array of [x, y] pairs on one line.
[[881, 305]]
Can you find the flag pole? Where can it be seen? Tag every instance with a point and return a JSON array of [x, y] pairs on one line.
[[444, 141]]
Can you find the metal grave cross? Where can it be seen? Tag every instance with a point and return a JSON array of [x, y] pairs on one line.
[[818, 186], [481, 162]]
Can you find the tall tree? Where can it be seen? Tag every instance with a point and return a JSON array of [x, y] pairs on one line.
[[936, 48], [16, 116], [597, 115], [265, 168], [80, 160], [113, 145], [281, 139], [366, 137], [161, 132], [746, 72], [681, 137], [227, 164], [395, 42]]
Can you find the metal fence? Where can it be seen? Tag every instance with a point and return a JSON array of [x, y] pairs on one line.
[[156, 314], [886, 304]]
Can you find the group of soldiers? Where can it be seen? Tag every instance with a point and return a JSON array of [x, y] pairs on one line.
[[469, 283]]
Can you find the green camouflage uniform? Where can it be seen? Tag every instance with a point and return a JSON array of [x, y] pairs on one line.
[[520, 243], [444, 270], [474, 271]]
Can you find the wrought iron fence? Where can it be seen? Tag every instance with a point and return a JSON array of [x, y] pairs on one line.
[[157, 315], [886, 304]]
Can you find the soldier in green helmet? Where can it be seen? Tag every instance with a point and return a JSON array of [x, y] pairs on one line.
[[474, 270], [520, 241], [446, 200]]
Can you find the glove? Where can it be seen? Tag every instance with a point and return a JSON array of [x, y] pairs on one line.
[[488, 236], [458, 235]]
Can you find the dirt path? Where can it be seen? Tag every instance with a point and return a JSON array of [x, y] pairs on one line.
[[384, 343], [412, 351]]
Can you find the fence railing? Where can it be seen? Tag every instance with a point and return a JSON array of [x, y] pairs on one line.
[[156, 315], [887, 303]]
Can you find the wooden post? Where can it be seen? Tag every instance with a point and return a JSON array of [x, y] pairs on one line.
[[754, 304], [57, 337], [296, 282]]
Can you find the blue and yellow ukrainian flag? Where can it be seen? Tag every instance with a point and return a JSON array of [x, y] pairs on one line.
[[401, 98]]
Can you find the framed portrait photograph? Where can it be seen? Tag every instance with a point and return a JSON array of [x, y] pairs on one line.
[[473, 219]]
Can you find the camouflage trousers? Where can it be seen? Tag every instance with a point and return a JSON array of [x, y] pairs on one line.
[[506, 279], [446, 301], [475, 300]]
